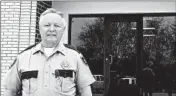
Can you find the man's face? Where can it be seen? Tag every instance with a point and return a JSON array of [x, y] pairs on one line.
[[51, 28]]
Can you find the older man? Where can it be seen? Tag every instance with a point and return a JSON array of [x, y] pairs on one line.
[[49, 68]]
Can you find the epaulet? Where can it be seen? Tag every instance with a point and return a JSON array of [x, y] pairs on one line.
[[71, 47], [31, 46], [20, 53]]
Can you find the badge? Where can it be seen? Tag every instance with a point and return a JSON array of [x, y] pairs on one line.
[[65, 65]]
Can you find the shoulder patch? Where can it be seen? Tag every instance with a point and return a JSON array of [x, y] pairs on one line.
[[83, 59], [71, 47], [28, 48]]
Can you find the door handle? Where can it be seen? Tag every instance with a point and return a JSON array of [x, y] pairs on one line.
[[109, 59]]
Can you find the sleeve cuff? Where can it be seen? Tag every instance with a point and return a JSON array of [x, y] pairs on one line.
[[86, 84]]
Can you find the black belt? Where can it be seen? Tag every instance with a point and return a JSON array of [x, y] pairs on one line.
[[63, 73], [29, 74]]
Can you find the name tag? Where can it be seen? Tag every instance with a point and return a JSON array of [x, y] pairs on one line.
[[29, 74], [63, 73]]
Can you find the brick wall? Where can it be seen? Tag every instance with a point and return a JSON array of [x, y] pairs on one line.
[[19, 29], [41, 7], [18, 23], [27, 24]]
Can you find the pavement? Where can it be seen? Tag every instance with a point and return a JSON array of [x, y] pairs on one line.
[[163, 94], [154, 94]]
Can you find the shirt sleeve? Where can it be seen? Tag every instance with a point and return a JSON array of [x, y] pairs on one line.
[[86, 91], [11, 82], [84, 75]]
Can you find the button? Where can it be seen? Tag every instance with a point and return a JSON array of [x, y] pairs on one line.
[[46, 86]]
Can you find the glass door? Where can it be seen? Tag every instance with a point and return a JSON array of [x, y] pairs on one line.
[[122, 51], [118, 46]]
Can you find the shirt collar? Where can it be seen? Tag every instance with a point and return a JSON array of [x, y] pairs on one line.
[[60, 48], [39, 48]]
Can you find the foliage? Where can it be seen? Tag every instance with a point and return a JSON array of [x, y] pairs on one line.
[[92, 38], [159, 48]]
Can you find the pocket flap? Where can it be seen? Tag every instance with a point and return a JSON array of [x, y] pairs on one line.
[[29, 74]]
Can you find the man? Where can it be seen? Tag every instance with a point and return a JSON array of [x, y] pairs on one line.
[[49, 68], [146, 79]]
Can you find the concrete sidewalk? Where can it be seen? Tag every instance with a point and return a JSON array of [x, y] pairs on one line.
[[163, 94], [154, 94]]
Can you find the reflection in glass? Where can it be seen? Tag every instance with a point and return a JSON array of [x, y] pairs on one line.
[[87, 37], [121, 45], [158, 39], [159, 44]]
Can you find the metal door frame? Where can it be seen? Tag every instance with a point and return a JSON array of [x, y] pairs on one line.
[[132, 17]]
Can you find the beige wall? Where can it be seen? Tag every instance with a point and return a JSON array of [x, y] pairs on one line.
[[69, 7]]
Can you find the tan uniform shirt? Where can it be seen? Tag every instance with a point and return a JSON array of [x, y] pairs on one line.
[[47, 83]]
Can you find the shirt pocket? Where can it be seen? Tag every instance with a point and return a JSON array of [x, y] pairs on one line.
[[29, 85], [56, 83], [29, 81], [68, 84], [63, 84]]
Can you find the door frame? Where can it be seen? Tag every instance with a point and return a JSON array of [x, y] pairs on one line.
[[132, 17]]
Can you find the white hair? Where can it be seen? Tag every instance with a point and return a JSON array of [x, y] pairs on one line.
[[52, 10]]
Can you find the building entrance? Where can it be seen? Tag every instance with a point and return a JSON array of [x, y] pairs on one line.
[[118, 46]]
